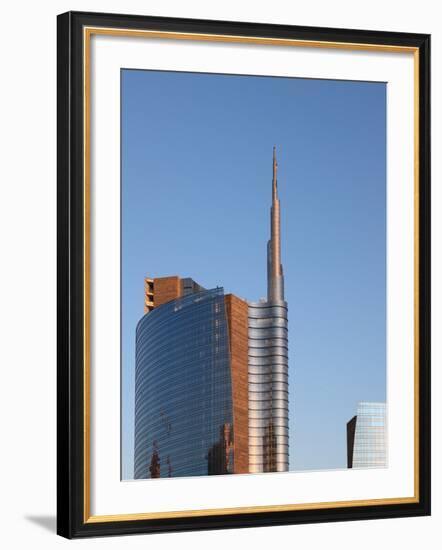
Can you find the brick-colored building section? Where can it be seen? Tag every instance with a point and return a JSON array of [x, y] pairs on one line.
[[237, 320], [166, 289], [148, 294]]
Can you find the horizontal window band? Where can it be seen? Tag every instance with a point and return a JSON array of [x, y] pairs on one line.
[[283, 409], [277, 423], [255, 444], [279, 459], [260, 379], [268, 395], [278, 449]]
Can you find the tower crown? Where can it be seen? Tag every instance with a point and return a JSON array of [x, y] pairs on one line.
[[275, 177], [275, 281]]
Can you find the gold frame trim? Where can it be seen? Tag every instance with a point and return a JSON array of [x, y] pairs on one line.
[[87, 33]]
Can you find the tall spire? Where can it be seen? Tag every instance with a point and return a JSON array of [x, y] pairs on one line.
[[275, 177], [275, 281]]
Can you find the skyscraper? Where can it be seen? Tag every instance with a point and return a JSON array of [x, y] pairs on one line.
[[268, 359], [190, 381], [367, 437], [211, 381]]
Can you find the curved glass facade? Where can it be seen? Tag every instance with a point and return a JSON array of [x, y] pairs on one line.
[[268, 387], [183, 389]]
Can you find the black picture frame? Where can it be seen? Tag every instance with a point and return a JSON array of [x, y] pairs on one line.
[[70, 268]]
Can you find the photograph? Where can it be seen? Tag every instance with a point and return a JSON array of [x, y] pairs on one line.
[[244, 274], [253, 274]]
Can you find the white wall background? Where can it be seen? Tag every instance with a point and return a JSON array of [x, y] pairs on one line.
[[28, 278]]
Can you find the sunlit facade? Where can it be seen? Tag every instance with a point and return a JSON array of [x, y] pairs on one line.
[[268, 360], [268, 388], [367, 436]]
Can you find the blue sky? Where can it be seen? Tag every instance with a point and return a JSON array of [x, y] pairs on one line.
[[196, 193]]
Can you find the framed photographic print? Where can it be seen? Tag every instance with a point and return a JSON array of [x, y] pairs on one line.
[[243, 274]]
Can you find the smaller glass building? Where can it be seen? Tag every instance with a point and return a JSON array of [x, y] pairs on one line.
[[367, 437]]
